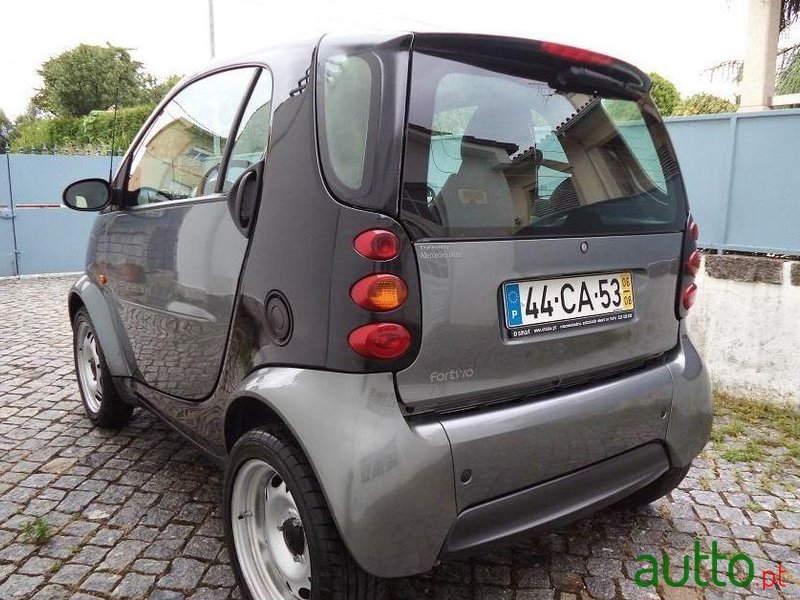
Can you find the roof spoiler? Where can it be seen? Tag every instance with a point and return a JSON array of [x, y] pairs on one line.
[[558, 64]]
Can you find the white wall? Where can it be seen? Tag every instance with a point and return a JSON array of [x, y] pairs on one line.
[[749, 335]]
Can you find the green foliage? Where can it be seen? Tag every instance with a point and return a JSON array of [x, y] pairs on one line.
[[37, 531], [89, 78], [750, 452], [789, 77], [156, 91], [5, 131], [665, 94], [704, 104], [70, 114], [622, 111], [89, 134]]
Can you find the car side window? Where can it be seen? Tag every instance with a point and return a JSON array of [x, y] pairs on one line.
[[347, 96], [180, 154], [252, 135]]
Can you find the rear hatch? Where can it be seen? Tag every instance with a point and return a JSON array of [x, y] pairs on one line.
[[547, 213]]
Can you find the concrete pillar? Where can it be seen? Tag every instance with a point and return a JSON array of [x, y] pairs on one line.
[[758, 79]]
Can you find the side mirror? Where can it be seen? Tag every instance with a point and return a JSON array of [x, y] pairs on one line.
[[87, 194]]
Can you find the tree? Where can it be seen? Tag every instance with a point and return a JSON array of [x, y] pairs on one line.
[[790, 10], [90, 78], [5, 131], [156, 91], [789, 77], [665, 94], [704, 104], [5, 122]]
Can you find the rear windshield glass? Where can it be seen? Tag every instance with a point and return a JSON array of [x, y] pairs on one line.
[[492, 155]]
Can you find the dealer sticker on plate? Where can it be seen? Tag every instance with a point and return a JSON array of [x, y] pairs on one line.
[[548, 305]]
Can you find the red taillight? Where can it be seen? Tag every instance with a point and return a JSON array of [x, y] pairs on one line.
[[377, 244], [694, 231], [576, 54], [379, 292], [693, 263], [382, 341], [689, 296]]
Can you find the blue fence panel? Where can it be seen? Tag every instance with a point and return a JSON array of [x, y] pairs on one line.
[[703, 149], [52, 240], [764, 212], [7, 263], [5, 161], [742, 178], [40, 179], [49, 237]]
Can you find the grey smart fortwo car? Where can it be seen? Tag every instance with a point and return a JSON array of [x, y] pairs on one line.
[[420, 294]]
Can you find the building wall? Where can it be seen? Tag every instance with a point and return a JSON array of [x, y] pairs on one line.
[[745, 324]]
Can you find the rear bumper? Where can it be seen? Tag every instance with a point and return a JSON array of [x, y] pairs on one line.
[[691, 413], [555, 502], [555, 434], [687, 419]]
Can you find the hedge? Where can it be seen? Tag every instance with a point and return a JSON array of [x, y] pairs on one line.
[[80, 135]]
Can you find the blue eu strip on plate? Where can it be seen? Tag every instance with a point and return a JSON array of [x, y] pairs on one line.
[[513, 307]]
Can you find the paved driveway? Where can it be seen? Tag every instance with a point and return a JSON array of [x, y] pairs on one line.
[[134, 513]]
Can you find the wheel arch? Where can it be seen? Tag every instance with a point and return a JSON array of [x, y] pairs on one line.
[[74, 304], [246, 412], [364, 455], [87, 295]]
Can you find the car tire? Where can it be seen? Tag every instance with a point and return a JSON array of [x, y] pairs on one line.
[[280, 534], [657, 489], [101, 401]]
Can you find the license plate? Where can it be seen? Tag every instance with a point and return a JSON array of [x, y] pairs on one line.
[[545, 305]]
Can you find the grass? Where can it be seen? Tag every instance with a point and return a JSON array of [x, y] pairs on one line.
[[754, 506], [732, 429], [752, 451], [736, 414], [786, 419], [37, 532], [56, 566]]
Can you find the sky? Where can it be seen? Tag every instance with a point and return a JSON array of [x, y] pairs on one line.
[[172, 36]]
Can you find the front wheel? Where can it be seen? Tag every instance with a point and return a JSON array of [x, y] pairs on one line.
[[280, 534], [101, 401]]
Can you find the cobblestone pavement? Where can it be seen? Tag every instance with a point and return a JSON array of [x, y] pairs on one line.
[[135, 513]]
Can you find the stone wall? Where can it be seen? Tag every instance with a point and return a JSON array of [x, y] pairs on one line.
[[746, 324]]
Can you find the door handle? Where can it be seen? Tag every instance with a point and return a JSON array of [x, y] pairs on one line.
[[241, 206], [239, 197]]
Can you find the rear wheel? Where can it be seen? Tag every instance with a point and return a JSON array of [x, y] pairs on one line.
[[657, 489], [280, 533], [101, 402]]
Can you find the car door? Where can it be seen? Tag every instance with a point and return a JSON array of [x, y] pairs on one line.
[[172, 254]]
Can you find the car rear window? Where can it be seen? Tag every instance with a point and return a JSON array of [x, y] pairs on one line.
[[490, 154]]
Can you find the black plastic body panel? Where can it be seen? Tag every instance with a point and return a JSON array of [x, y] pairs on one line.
[[554, 502], [302, 246], [388, 57]]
